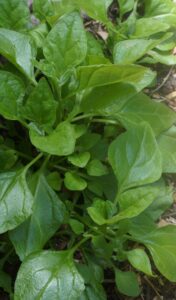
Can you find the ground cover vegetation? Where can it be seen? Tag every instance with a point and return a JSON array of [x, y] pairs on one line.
[[84, 151]]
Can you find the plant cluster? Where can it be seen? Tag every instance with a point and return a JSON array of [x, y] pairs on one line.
[[83, 151]]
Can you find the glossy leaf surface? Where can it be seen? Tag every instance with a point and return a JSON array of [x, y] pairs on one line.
[[12, 92], [140, 260], [135, 157], [66, 44], [32, 235], [61, 141], [93, 76], [40, 106], [161, 244], [16, 200], [50, 274], [14, 14], [17, 48], [127, 283]]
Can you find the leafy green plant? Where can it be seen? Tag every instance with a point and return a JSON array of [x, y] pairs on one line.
[[83, 150]]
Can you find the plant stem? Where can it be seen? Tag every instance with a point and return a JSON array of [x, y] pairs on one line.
[[79, 244], [45, 162], [34, 161], [82, 117], [97, 120], [61, 168], [24, 124]]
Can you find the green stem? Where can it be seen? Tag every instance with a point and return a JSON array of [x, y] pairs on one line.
[[24, 124], [120, 191], [61, 168], [94, 229], [106, 121], [95, 120], [45, 162], [79, 244], [82, 117], [34, 161]]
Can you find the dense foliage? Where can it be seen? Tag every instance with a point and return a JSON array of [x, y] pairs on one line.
[[83, 151]]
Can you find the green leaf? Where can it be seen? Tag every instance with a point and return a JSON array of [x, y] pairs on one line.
[[100, 150], [96, 168], [43, 8], [66, 44], [11, 95], [167, 44], [50, 275], [38, 34], [91, 271], [51, 10], [95, 9], [40, 106], [107, 99], [16, 200], [14, 14], [125, 6], [168, 19], [131, 202], [101, 211], [76, 226], [95, 54], [129, 51], [134, 201], [94, 47], [74, 182], [163, 58], [97, 60], [146, 27], [61, 141], [162, 245], [94, 292], [127, 283], [140, 261], [93, 277], [16, 47], [141, 108], [106, 185], [163, 201], [48, 214], [79, 159], [122, 101], [135, 157], [159, 7], [88, 141], [5, 282], [7, 159], [167, 146], [102, 248], [101, 75], [54, 180]]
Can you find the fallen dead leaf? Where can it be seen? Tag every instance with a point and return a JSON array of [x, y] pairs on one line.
[[103, 34], [162, 223], [174, 51], [171, 96]]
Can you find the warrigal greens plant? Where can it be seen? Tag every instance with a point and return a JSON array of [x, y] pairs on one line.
[[84, 151]]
